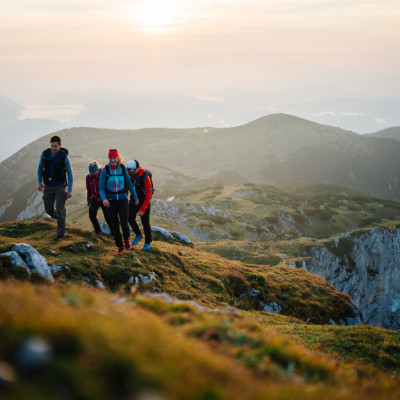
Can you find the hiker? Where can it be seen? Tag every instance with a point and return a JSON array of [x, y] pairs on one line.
[[114, 182], [54, 167], [141, 179], [93, 197]]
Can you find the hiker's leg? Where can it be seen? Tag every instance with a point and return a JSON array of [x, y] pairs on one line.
[[133, 210], [123, 218], [61, 197], [113, 214], [49, 197], [145, 218], [93, 208]]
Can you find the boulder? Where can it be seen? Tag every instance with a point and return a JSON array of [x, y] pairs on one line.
[[180, 237], [34, 261]]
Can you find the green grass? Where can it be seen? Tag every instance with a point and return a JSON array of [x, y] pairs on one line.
[[121, 343]]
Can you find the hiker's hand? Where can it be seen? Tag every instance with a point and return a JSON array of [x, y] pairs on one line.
[[106, 203], [140, 213], [69, 194], [136, 202], [40, 187]]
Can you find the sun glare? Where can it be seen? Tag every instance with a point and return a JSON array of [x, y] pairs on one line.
[[157, 16]]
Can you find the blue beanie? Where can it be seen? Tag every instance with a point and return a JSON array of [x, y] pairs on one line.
[[93, 168]]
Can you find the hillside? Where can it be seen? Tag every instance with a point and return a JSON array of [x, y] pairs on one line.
[[277, 149], [389, 133], [174, 337]]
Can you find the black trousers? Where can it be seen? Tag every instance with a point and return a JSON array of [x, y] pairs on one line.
[[93, 208], [119, 209], [145, 218]]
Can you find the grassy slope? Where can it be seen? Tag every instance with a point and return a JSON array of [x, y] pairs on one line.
[[106, 346], [182, 271]]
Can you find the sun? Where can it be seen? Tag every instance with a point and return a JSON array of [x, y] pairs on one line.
[[157, 16]]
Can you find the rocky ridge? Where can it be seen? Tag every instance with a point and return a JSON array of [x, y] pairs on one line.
[[364, 264]]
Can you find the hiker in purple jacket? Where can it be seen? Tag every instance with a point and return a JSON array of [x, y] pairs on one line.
[[93, 197]]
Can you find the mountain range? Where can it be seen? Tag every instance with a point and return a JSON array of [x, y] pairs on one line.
[[277, 149]]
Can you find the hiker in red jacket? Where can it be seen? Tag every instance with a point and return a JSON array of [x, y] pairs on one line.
[[141, 180], [93, 197]]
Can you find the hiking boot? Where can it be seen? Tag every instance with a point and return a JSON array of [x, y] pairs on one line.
[[127, 245], [120, 250], [58, 237], [137, 239], [146, 246]]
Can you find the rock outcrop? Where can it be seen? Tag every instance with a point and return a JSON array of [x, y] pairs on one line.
[[24, 255], [366, 265]]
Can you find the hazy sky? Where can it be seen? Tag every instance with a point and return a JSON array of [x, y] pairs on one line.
[[332, 59]]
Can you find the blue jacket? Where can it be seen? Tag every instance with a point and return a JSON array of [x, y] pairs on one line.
[[114, 188]]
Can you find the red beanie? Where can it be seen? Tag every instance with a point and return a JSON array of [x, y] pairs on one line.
[[113, 153]]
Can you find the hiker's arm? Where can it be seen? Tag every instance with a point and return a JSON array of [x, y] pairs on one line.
[[131, 187], [148, 191], [88, 192], [70, 175], [102, 188], [39, 174]]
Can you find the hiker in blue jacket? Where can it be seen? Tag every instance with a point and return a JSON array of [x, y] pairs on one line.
[[53, 169], [114, 185]]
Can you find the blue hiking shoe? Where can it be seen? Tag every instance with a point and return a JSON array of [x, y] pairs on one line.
[[137, 238], [147, 246]]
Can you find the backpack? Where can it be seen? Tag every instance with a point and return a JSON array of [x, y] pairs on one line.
[[139, 181], [123, 168], [53, 171], [150, 175]]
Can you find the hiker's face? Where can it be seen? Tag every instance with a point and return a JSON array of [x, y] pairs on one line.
[[55, 147], [113, 160], [133, 172], [92, 174]]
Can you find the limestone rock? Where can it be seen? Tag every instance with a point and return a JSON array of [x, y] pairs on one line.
[[33, 260], [163, 231], [366, 265], [180, 236]]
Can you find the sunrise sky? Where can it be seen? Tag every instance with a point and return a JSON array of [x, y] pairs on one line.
[[332, 61]]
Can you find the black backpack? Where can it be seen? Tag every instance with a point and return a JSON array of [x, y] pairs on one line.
[[52, 167], [138, 182]]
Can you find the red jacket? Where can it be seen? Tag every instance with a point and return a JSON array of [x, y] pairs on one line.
[[92, 186], [144, 193]]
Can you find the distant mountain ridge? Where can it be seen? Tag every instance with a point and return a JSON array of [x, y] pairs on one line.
[[277, 149], [389, 133]]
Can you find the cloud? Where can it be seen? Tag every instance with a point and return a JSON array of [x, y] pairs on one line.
[[208, 98], [58, 112], [352, 114], [321, 114]]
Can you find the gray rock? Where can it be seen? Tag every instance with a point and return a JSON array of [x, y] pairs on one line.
[[180, 236], [272, 307], [366, 265], [254, 292], [34, 353], [56, 270], [16, 260], [100, 284], [34, 261], [163, 231], [105, 228]]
